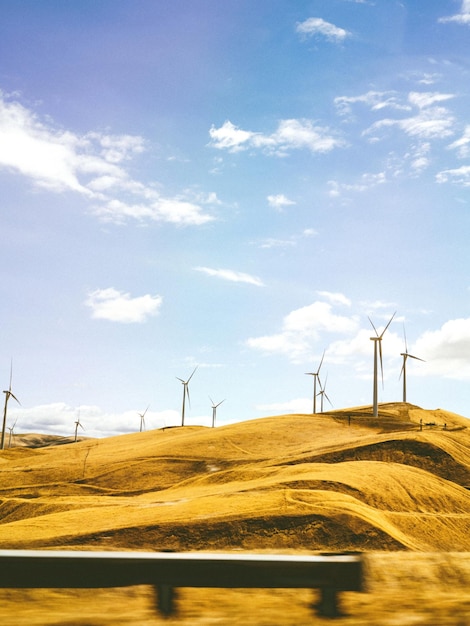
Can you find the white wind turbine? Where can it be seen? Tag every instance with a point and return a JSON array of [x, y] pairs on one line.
[[214, 410], [142, 418], [405, 355], [77, 425], [185, 393], [8, 394], [378, 340], [316, 377], [11, 429], [323, 394]]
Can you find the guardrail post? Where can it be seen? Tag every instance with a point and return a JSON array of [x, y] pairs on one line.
[[166, 596], [328, 604]]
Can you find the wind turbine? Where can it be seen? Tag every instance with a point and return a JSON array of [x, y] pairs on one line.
[[214, 410], [77, 424], [11, 428], [323, 394], [8, 394], [405, 355], [185, 393], [315, 378], [142, 418], [378, 340]]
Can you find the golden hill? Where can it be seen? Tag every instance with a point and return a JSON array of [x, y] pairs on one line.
[[334, 481]]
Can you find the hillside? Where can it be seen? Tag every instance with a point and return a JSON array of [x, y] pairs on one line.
[[394, 487], [335, 481]]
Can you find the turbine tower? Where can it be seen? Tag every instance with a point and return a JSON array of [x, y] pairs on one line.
[[405, 355], [214, 410], [378, 341], [316, 377], [142, 418], [8, 394], [185, 393]]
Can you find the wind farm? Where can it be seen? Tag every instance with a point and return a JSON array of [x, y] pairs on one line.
[[8, 394], [382, 479]]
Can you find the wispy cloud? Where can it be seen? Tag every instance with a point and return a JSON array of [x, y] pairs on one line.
[[291, 134], [365, 182], [316, 26], [91, 164], [302, 328], [231, 275], [430, 122], [458, 176], [460, 18], [117, 306], [462, 145], [293, 240], [279, 201], [374, 100]]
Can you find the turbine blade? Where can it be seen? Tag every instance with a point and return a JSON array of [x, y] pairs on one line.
[[145, 411], [372, 323], [220, 403], [319, 367], [416, 357], [404, 335], [403, 366], [187, 393], [212, 402], [328, 399], [183, 381], [192, 373], [389, 322], [14, 397]]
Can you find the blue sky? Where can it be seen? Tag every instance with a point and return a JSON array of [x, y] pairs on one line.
[[236, 186]]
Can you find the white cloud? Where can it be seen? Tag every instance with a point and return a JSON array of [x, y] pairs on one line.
[[27, 146], [291, 134], [117, 306], [374, 100], [459, 176], [429, 123], [301, 329], [461, 18], [335, 298], [423, 99], [279, 201], [231, 275], [59, 419], [293, 240], [91, 164], [367, 181], [314, 26], [462, 145], [446, 350]]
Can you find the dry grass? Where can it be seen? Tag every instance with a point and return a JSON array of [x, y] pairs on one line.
[[296, 483]]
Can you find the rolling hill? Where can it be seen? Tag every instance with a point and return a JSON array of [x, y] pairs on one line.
[[336, 481]]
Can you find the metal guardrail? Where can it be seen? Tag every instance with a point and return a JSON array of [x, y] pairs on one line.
[[166, 571]]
